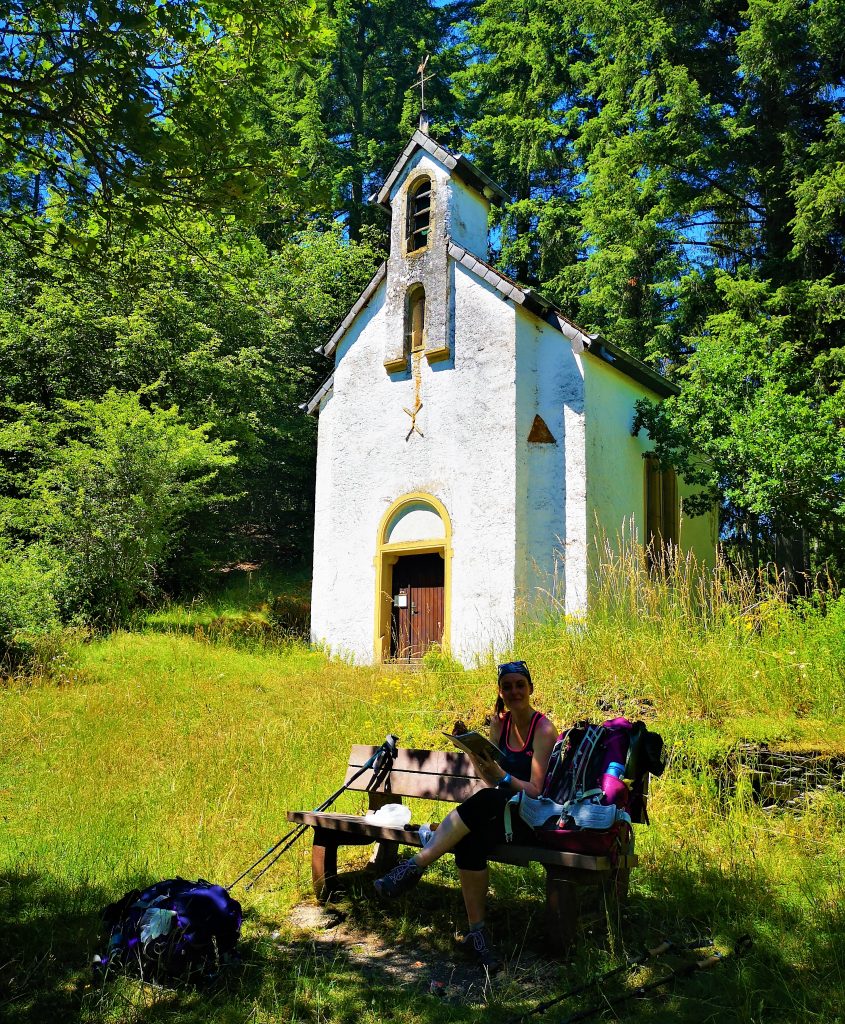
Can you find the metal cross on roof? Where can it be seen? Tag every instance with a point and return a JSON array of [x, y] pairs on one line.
[[423, 79]]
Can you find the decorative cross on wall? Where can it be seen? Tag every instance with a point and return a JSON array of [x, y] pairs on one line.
[[413, 414]]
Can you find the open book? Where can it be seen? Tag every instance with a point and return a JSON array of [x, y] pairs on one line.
[[475, 743]]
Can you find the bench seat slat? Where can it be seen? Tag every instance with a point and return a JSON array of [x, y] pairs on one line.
[[505, 853], [434, 762]]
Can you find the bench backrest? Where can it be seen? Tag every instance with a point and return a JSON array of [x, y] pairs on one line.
[[428, 774]]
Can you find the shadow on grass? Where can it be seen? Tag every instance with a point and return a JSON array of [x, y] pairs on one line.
[[792, 972], [46, 945], [51, 931], [391, 952]]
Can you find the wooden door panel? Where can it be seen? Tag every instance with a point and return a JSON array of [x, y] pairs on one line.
[[418, 602]]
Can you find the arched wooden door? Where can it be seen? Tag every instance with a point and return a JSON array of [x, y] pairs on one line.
[[417, 617]]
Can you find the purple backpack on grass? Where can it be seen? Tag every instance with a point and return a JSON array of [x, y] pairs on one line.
[[173, 929]]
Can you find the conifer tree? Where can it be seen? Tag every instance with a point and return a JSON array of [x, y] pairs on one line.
[[685, 165]]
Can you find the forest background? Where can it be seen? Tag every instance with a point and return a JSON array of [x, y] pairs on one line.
[[184, 218]]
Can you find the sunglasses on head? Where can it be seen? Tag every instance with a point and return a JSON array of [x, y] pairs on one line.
[[516, 667]]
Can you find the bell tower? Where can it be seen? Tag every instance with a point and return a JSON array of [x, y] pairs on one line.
[[434, 196]]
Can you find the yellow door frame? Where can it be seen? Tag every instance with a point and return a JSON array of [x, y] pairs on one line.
[[387, 555]]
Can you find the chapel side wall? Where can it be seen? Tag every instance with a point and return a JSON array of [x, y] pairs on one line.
[[699, 534], [547, 379], [615, 468], [343, 575], [465, 458], [324, 568]]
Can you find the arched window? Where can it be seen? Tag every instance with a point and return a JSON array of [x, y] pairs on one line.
[[419, 214], [415, 319]]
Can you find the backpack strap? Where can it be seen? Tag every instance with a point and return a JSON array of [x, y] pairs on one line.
[[582, 757], [514, 800]]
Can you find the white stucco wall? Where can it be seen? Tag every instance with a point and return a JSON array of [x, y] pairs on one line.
[[465, 459], [615, 470], [467, 218], [549, 538]]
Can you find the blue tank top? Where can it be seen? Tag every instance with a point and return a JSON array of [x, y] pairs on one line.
[[518, 762]]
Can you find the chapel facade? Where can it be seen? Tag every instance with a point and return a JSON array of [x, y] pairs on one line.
[[473, 442]]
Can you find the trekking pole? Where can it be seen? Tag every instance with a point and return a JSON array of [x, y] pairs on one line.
[[631, 962], [743, 943], [382, 758]]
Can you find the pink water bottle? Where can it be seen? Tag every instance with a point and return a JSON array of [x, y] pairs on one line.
[[614, 789]]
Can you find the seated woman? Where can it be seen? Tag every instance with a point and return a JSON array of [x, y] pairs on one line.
[[525, 737]]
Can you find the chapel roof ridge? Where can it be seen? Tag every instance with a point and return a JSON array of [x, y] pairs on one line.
[[458, 164]]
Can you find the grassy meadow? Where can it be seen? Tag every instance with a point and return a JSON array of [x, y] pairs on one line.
[[176, 747]]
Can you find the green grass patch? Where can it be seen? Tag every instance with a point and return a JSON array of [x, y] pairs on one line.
[[176, 749]]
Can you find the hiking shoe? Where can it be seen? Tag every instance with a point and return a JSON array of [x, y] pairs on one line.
[[403, 877], [476, 946]]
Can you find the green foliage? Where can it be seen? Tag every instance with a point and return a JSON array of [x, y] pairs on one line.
[[29, 582], [348, 107], [111, 486], [678, 181], [133, 107], [209, 322], [752, 398], [291, 615]]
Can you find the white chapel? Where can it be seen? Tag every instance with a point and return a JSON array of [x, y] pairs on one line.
[[473, 442]]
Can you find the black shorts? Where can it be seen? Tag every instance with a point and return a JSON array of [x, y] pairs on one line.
[[484, 816]]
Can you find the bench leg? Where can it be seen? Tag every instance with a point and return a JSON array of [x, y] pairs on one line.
[[385, 856], [561, 909], [323, 864], [623, 875]]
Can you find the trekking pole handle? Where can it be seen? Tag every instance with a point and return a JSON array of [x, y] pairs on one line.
[[710, 961], [660, 948], [389, 747]]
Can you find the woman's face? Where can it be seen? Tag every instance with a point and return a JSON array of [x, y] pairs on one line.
[[515, 690]]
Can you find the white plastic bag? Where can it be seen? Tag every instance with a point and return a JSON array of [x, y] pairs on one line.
[[391, 815]]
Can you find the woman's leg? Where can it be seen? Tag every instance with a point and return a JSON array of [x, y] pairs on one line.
[[447, 835], [464, 830], [474, 888]]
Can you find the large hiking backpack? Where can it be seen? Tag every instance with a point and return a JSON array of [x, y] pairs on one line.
[[595, 787], [173, 929]]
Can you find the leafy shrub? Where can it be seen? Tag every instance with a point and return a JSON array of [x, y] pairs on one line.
[[113, 485], [29, 615]]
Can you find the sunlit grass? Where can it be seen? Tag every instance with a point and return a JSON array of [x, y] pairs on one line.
[[177, 749]]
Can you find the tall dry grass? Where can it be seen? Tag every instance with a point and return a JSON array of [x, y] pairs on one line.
[[693, 643]]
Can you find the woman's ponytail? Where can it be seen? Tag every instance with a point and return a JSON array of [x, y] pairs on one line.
[[499, 709]]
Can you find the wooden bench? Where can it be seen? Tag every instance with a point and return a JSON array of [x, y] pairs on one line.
[[437, 775]]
